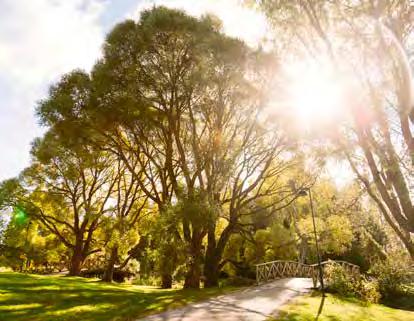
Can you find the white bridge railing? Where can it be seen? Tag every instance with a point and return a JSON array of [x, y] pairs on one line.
[[282, 269]]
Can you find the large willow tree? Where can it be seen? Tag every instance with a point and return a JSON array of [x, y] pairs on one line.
[[178, 102]]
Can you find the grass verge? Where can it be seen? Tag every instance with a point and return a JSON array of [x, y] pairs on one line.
[[334, 308], [26, 297]]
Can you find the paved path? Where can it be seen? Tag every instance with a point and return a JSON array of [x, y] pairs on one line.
[[252, 304]]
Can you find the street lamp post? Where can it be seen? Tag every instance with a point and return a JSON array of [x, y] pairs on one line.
[[303, 192]]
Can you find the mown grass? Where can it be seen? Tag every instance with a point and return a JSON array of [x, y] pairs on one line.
[[334, 308], [26, 297]]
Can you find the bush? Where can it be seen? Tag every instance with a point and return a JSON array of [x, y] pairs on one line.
[[150, 280], [342, 283], [367, 290], [392, 275], [237, 281], [338, 281], [118, 276]]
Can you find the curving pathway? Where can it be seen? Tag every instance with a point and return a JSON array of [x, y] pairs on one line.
[[253, 304]]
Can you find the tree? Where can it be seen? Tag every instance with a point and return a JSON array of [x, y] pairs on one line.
[[173, 98], [198, 91], [121, 228], [180, 105], [68, 192], [371, 42]]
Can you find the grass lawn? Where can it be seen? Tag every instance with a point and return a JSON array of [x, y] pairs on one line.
[[26, 297], [340, 309]]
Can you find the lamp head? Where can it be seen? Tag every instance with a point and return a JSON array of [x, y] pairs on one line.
[[302, 192]]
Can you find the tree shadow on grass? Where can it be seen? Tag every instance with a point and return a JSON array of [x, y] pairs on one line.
[[323, 297], [401, 302], [39, 299]]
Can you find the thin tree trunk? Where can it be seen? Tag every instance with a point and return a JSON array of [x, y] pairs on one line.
[[109, 271]]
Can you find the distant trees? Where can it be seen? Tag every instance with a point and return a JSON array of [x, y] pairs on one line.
[[68, 192], [27, 245]]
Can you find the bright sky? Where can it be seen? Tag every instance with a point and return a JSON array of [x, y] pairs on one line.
[[42, 39]]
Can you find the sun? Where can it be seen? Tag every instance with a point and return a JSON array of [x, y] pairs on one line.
[[315, 94]]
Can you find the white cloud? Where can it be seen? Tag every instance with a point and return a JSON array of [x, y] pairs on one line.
[[42, 39], [39, 41], [238, 20]]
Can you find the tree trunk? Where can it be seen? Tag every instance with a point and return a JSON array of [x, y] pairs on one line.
[[410, 248], [303, 249], [192, 278], [211, 273], [214, 255], [385, 202], [166, 281], [76, 262], [109, 271]]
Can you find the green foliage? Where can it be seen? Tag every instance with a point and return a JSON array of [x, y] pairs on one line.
[[344, 284], [169, 249], [283, 244], [333, 222], [338, 280], [237, 281], [30, 247], [196, 209], [273, 243], [368, 290], [393, 275], [147, 280]]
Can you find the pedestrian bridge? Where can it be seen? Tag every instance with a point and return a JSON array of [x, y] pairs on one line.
[[269, 271]]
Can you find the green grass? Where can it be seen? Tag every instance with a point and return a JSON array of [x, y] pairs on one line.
[[405, 301], [26, 297], [306, 308]]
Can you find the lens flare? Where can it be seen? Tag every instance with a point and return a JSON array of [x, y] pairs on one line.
[[19, 216]]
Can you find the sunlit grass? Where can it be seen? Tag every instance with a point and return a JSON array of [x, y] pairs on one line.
[[340, 309], [56, 298]]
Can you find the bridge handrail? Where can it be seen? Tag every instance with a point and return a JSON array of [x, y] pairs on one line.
[[281, 268], [312, 265], [336, 261], [270, 262]]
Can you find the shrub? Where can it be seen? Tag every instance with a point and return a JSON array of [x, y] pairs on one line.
[[344, 284], [392, 276], [150, 280], [237, 281], [367, 290], [338, 281], [118, 276]]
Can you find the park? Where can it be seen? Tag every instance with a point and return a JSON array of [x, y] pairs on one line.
[[207, 160]]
